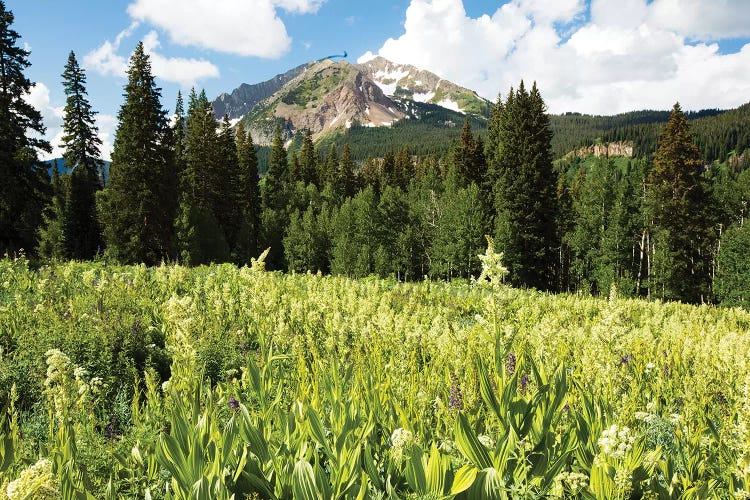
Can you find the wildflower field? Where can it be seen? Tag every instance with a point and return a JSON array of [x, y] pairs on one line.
[[225, 382]]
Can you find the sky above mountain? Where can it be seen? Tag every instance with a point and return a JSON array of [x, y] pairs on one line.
[[591, 56]]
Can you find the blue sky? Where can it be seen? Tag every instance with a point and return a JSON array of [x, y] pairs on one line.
[[596, 56]]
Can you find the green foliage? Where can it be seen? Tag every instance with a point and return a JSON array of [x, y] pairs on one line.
[[247, 198], [733, 267], [137, 207], [679, 201], [284, 386], [81, 144], [24, 183], [523, 186]]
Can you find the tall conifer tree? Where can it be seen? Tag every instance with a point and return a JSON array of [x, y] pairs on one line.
[[201, 234], [275, 195], [82, 155], [679, 201], [247, 198], [24, 182], [524, 187], [137, 206]]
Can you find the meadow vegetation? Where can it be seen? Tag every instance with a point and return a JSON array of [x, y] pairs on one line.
[[220, 382]]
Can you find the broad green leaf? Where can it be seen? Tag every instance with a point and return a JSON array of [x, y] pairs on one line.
[[469, 444], [303, 482], [463, 479]]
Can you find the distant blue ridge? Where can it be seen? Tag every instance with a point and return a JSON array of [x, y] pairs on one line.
[[62, 167]]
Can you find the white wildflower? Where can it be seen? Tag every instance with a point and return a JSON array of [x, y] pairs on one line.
[[36, 482], [487, 441]]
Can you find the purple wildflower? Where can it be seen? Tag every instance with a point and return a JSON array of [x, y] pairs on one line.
[[524, 382], [510, 364], [626, 359], [109, 431], [456, 400], [234, 404]]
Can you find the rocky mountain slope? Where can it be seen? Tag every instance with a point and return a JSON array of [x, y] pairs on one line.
[[409, 82], [328, 96], [245, 97]]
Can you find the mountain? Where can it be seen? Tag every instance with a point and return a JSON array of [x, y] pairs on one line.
[[245, 97], [379, 106], [329, 97], [63, 169], [408, 82]]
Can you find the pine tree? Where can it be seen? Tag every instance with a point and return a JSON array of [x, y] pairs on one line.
[[277, 178], [308, 160], [137, 207], [274, 201], [344, 181], [202, 235], [327, 167], [388, 174], [82, 155], [247, 198], [52, 230], [24, 182], [679, 201], [226, 209], [524, 188], [468, 157], [178, 135]]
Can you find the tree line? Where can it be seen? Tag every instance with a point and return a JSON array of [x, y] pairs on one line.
[[182, 189]]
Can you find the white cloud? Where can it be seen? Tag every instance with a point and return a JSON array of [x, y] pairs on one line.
[[52, 117], [107, 61], [177, 69], [630, 54], [300, 6], [107, 124], [243, 27]]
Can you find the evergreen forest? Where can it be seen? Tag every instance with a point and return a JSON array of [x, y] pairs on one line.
[[412, 201], [508, 305]]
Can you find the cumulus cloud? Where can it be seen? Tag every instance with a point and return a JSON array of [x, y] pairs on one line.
[[177, 69], [602, 56], [106, 60], [52, 117], [243, 27]]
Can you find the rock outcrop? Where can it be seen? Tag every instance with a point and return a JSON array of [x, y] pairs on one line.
[[621, 148]]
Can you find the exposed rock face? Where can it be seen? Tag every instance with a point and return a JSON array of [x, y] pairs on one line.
[[323, 97], [623, 148], [406, 81], [245, 97]]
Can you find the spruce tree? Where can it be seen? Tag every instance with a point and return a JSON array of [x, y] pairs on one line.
[[202, 237], [52, 230], [344, 181], [388, 174], [327, 167], [308, 164], [468, 157], [137, 207], [524, 188], [178, 134], [247, 196], [24, 182], [225, 208], [274, 198], [82, 155], [679, 202]]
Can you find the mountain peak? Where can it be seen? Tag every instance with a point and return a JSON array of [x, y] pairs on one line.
[[328, 95]]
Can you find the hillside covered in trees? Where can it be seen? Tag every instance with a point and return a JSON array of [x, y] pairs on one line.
[[410, 201]]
